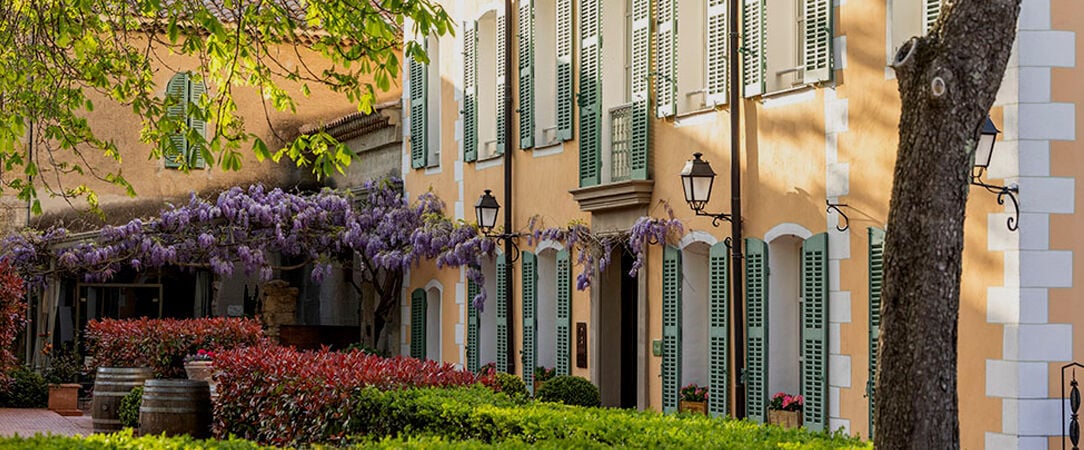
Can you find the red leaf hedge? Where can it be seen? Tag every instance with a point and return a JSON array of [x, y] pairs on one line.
[[12, 317], [280, 396], [162, 344]]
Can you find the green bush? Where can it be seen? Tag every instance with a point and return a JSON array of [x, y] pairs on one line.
[[122, 440], [510, 384], [129, 408], [27, 390], [570, 390], [475, 417]]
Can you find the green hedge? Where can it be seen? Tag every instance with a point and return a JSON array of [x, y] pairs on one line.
[[479, 414], [129, 408], [570, 390], [27, 390]]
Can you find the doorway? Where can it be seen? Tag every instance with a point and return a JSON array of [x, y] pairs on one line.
[[618, 333]]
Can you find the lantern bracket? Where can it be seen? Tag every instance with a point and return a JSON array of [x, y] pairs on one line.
[[1002, 192]]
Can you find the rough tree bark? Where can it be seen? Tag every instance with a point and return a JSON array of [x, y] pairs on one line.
[[947, 83]]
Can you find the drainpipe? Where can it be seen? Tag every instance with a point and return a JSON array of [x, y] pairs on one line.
[[508, 244], [31, 320], [736, 265]]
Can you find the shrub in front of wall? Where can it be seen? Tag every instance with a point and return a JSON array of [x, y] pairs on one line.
[[162, 344], [570, 390], [509, 384], [129, 408], [122, 440], [27, 389], [280, 396]]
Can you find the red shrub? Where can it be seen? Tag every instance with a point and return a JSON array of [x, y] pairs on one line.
[[12, 317], [162, 344], [280, 396]]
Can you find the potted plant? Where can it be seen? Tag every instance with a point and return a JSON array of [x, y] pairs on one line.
[[785, 410], [542, 375], [201, 366], [694, 399], [63, 376]]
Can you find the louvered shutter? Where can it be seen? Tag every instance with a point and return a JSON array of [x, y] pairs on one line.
[[470, 92], [177, 90], [876, 278], [417, 324], [666, 58], [196, 90], [502, 93], [530, 295], [756, 305], [930, 14], [590, 96], [814, 317], [718, 45], [526, 75], [564, 313], [718, 332], [502, 315], [564, 69], [671, 328], [472, 328], [752, 56], [640, 140], [418, 115], [817, 46]]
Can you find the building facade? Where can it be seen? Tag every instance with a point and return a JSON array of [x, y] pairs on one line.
[[612, 97]]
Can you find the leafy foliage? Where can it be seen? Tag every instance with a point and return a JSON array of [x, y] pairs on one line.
[[570, 390], [129, 408], [85, 53], [12, 316], [27, 389], [694, 393], [65, 366], [281, 396], [162, 344], [509, 384], [783, 401]]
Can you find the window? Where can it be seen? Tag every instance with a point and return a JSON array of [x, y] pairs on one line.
[[432, 324], [788, 44], [546, 90], [694, 314], [432, 101], [616, 76], [185, 146], [487, 84], [908, 18]]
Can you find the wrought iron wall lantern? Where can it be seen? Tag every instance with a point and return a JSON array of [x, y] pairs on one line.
[[984, 150], [486, 212], [696, 179]]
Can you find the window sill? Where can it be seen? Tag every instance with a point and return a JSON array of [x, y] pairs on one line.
[[612, 196], [788, 91], [548, 149], [433, 170], [697, 117], [489, 161]]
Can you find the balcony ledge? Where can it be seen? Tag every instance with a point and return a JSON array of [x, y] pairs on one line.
[[613, 196]]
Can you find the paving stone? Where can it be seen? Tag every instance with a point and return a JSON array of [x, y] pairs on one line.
[[27, 422]]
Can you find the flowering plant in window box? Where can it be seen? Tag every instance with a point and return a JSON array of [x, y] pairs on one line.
[[785, 410], [693, 398]]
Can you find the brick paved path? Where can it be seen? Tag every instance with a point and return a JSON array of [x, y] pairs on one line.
[[27, 422]]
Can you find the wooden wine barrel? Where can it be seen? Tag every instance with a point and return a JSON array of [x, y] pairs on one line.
[[111, 384], [176, 407]]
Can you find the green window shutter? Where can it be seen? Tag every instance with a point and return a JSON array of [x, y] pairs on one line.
[[717, 45], [876, 278], [814, 318], [177, 88], [526, 74], [718, 333], [564, 69], [470, 91], [756, 322], [197, 89], [417, 323], [640, 83], [418, 115], [564, 313], [666, 54], [530, 295], [502, 68], [930, 14], [501, 298], [671, 328], [752, 47], [472, 328], [817, 48], [590, 96]]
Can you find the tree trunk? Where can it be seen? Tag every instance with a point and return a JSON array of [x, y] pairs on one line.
[[947, 83]]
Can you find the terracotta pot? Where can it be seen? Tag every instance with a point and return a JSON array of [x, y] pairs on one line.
[[537, 386], [64, 399], [693, 407], [785, 419]]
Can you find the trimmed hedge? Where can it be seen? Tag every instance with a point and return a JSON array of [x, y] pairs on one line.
[[122, 440], [479, 414], [162, 344], [570, 390], [281, 396], [27, 389], [128, 412]]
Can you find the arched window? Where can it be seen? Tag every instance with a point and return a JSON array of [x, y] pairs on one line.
[[784, 331], [433, 327]]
